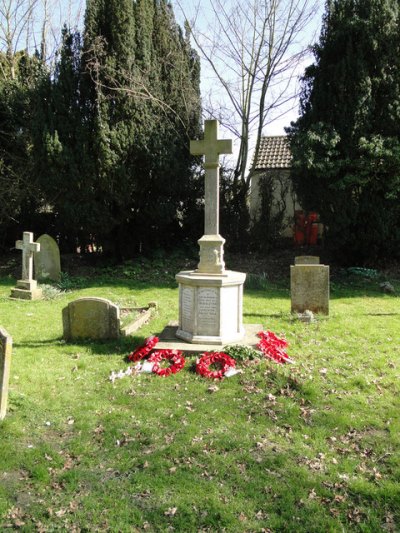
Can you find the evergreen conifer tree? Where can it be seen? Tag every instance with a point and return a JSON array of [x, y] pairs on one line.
[[144, 108], [346, 143], [63, 163], [113, 130], [18, 187]]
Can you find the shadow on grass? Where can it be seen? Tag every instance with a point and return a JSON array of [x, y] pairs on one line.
[[335, 294], [38, 344], [96, 347], [270, 315], [382, 314], [98, 282]]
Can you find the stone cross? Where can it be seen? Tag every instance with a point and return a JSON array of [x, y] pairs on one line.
[[28, 248], [211, 147]]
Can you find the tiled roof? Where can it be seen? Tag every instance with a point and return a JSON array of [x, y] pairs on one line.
[[274, 153]]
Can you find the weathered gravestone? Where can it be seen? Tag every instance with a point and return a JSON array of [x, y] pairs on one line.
[[306, 260], [27, 288], [99, 318], [91, 318], [5, 361], [47, 259], [309, 287]]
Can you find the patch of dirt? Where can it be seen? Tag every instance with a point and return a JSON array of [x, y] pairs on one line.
[[275, 265]]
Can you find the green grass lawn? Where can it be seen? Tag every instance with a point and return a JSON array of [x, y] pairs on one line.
[[308, 447]]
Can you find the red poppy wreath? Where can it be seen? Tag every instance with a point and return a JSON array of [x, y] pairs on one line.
[[209, 358], [176, 358], [273, 347], [144, 349]]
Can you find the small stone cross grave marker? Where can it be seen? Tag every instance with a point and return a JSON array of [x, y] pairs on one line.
[[28, 248], [27, 286], [5, 361]]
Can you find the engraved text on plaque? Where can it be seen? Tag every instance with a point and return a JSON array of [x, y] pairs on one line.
[[207, 311], [187, 307]]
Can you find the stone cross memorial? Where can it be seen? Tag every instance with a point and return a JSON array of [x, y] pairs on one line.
[[27, 287], [5, 360], [211, 147], [210, 298], [211, 244]]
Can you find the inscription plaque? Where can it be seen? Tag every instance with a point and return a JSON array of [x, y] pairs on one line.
[[187, 307], [207, 311]]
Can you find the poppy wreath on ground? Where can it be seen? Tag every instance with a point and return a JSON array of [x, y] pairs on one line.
[[176, 358], [144, 349], [209, 358], [273, 347]]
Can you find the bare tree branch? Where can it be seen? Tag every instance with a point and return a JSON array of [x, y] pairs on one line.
[[32, 25], [253, 50]]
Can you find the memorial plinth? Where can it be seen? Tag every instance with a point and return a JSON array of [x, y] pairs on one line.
[[210, 307], [211, 298]]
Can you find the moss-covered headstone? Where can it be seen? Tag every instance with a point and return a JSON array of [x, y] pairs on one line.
[[47, 259], [91, 318]]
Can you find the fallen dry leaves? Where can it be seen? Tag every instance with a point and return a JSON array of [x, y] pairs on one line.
[[171, 511]]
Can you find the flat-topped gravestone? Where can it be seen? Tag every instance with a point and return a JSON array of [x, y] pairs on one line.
[[309, 287], [47, 259], [91, 318], [27, 288], [5, 361], [306, 260]]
